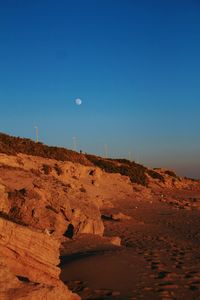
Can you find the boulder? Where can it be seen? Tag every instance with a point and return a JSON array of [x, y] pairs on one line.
[[29, 253], [12, 288], [44, 202], [120, 216], [28, 265]]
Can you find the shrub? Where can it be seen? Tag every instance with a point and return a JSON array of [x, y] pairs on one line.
[[136, 172], [171, 173], [156, 175], [13, 145]]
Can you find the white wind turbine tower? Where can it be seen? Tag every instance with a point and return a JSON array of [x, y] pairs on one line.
[[36, 134], [74, 143]]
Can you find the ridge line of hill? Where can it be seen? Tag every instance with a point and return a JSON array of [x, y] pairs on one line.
[[137, 173]]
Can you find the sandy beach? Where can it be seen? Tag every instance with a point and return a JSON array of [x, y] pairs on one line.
[[159, 257]]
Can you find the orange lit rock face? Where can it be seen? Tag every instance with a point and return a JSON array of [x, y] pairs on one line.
[[12, 288], [32, 256], [62, 197], [36, 210], [65, 197], [43, 199], [45, 202], [29, 253]]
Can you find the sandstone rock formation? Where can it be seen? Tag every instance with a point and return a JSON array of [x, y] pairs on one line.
[[65, 202], [13, 288], [32, 256], [44, 202], [29, 253]]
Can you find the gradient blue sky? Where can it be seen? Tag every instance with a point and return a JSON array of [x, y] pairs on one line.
[[134, 64]]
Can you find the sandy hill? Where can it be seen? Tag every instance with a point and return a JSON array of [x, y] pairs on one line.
[[136, 172]]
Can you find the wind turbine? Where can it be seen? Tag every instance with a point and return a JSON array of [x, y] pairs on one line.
[[36, 133], [74, 143]]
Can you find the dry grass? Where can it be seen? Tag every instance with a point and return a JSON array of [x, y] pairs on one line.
[[13, 145], [136, 172]]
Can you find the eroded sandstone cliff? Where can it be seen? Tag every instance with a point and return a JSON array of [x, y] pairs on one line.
[[37, 208], [45, 201]]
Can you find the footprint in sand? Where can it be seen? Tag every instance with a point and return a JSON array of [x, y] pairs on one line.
[[193, 280]]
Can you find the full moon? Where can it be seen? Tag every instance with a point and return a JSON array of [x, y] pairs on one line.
[[78, 101]]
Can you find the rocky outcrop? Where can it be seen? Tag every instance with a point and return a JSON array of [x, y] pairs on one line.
[[13, 288], [62, 197], [42, 200], [88, 243], [29, 253], [50, 202], [32, 256], [36, 210]]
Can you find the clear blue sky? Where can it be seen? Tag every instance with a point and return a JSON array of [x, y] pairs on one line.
[[134, 64]]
